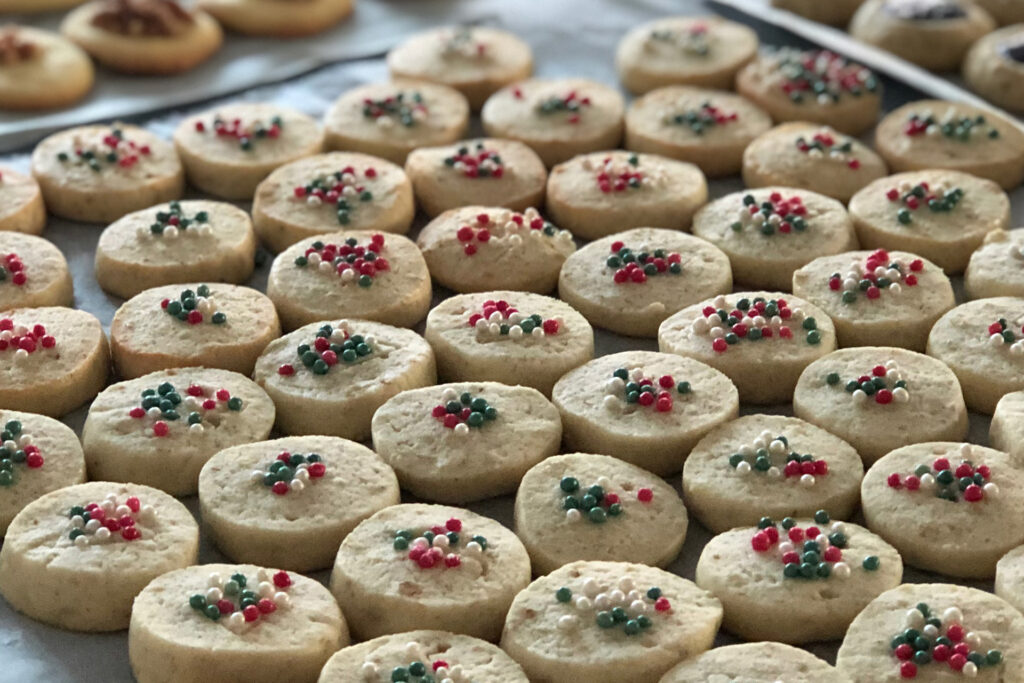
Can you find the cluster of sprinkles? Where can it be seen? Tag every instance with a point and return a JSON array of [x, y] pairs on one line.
[[701, 118], [24, 340], [16, 447], [439, 546], [753, 320], [630, 266], [114, 151], [693, 40], [345, 190], [163, 405], [476, 161], [194, 307], [332, 343], [777, 214], [624, 607], [461, 412], [349, 260], [173, 221], [632, 387], [938, 198], [461, 42], [418, 670], [1001, 335], [878, 273], [941, 478], [571, 105], [821, 76], [505, 226], [595, 503], [824, 145], [500, 319], [239, 602], [758, 457], [614, 174], [950, 126], [943, 641], [808, 552], [884, 383], [290, 472], [12, 269], [245, 134], [100, 522], [403, 108]]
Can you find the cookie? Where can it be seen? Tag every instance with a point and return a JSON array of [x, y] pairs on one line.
[[996, 267], [935, 134], [1003, 11], [812, 157], [161, 428], [753, 662], [458, 443], [21, 203], [643, 407], [1006, 431], [709, 128], [701, 51], [330, 192], [608, 621], [179, 326], [152, 37], [428, 566], [599, 194], [1009, 583], [759, 340], [97, 174], [329, 378], [879, 398], [233, 622], [877, 298], [770, 465], [595, 507], [835, 13], [390, 120], [33, 273], [817, 86], [75, 558], [276, 502], [54, 359], [277, 19], [557, 118], [995, 65], [480, 248], [508, 337], [769, 233], [475, 60], [644, 275], [940, 215], [42, 70], [356, 274]]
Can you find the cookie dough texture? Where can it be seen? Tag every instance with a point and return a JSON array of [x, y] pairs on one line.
[[276, 18], [1009, 584], [1006, 431], [452, 466], [996, 267], [45, 576], [56, 73], [545, 650], [21, 203], [170, 642], [765, 662], [992, 72], [382, 591], [834, 13], [48, 280]]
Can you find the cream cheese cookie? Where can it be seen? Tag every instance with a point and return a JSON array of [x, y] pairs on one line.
[[75, 558], [458, 443], [97, 174], [277, 502], [33, 273], [329, 378], [994, 67], [996, 267], [765, 662], [877, 298], [1006, 431], [21, 203], [709, 128], [834, 13], [608, 622], [161, 428], [328, 192], [429, 566], [278, 18], [1009, 583], [233, 622], [879, 398], [41, 70], [1004, 11]]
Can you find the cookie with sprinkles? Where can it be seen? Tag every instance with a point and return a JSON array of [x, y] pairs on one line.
[[75, 558], [233, 622], [764, 661], [33, 273], [631, 281], [877, 298], [609, 622], [159, 429], [96, 174], [330, 192], [457, 571], [835, 13], [358, 274], [996, 267], [277, 19], [42, 70], [21, 203], [877, 398], [993, 66], [1006, 431]]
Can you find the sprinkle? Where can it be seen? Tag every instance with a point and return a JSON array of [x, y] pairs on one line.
[[884, 383], [333, 345], [24, 340], [758, 458], [462, 412], [500, 319], [245, 135], [349, 261], [818, 76], [613, 608], [572, 105], [405, 108], [343, 190], [912, 198], [878, 273], [12, 270], [476, 161], [164, 405], [775, 215], [441, 546], [692, 40], [597, 502], [753, 321], [938, 642], [825, 145], [172, 222], [504, 228], [628, 266], [18, 453], [950, 126], [241, 601], [113, 152], [702, 118]]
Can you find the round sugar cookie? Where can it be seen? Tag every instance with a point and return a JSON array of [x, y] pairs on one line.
[[994, 67], [458, 443], [508, 337], [428, 566], [602, 193], [608, 622], [329, 192], [233, 622], [770, 465], [172, 243], [389, 120], [949, 632], [996, 267], [75, 558], [278, 19], [33, 273], [175, 326], [590, 507], [161, 428], [53, 359], [701, 51], [878, 398], [42, 70], [487, 171], [940, 215], [796, 580], [96, 174], [759, 340], [877, 298], [229, 150], [754, 663], [1009, 583], [709, 128], [644, 407], [644, 276], [329, 378], [481, 248], [475, 60], [1006, 431], [357, 274], [21, 203], [835, 13], [37, 455], [277, 502], [769, 233]]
